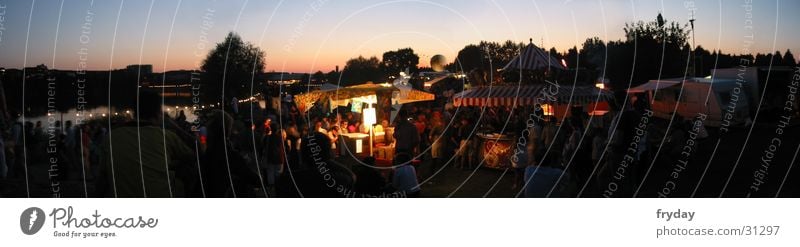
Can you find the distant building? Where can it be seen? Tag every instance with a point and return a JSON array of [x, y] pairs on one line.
[[285, 78]]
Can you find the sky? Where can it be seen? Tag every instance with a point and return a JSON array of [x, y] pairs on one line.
[[312, 35]]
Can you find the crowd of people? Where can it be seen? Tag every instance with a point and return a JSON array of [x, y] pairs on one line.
[[287, 153]]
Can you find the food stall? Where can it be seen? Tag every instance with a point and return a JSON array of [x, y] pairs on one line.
[[356, 143], [496, 149], [373, 102], [559, 101]]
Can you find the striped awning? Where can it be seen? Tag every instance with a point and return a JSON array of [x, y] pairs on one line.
[[340, 94], [533, 58], [528, 95]]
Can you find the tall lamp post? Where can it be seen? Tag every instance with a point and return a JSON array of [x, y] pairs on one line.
[[694, 56], [369, 120]]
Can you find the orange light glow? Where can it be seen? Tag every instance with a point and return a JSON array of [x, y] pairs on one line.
[[600, 85], [547, 109]]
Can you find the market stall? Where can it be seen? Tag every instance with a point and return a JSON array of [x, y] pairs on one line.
[[356, 143], [374, 102], [556, 100]]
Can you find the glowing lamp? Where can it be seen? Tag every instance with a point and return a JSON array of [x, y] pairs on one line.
[[547, 109], [600, 85], [369, 117]]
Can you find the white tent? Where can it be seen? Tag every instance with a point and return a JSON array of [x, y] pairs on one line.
[[533, 58]]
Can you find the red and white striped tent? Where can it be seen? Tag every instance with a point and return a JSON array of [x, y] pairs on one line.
[[528, 95], [533, 58]]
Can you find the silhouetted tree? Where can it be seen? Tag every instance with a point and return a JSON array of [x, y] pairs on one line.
[[651, 49], [470, 57], [229, 68], [486, 56], [396, 61], [777, 59], [360, 70], [788, 59], [572, 58], [593, 53], [762, 59]]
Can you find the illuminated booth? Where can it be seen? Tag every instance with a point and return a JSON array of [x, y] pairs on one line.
[[375, 102], [553, 99]]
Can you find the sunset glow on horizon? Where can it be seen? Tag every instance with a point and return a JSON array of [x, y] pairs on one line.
[[310, 36]]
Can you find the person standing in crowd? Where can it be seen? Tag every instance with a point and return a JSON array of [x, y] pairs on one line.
[[318, 127], [319, 175], [71, 140], [3, 164], [437, 139], [343, 127], [181, 118], [333, 134], [326, 123], [369, 182], [598, 144], [146, 170], [405, 134], [294, 116], [573, 134], [557, 139], [527, 158], [292, 146], [272, 155], [462, 157], [541, 179], [85, 150], [225, 172], [421, 125], [404, 178], [16, 150], [535, 143], [519, 161], [234, 106], [352, 127]]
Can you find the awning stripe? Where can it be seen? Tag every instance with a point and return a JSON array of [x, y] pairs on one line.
[[528, 95]]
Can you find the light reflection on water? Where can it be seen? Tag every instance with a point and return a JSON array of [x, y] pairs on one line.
[[96, 113]]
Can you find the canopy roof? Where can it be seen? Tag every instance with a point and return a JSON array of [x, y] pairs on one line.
[[336, 93], [530, 95], [533, 58], [653, 85]]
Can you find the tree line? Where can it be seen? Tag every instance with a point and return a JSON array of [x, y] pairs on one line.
[[649, 49]]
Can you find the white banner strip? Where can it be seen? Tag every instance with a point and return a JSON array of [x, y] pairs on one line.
[[400, 222]]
